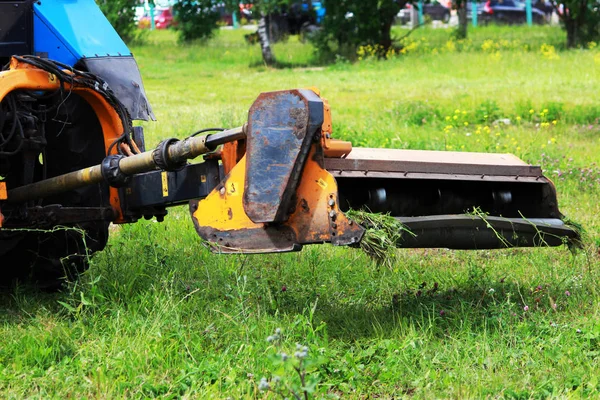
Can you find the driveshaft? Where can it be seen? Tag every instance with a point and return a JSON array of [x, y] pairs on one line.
[[175, 153]]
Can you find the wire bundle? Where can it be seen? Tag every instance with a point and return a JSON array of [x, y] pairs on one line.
[[74, 77], [16, 128]]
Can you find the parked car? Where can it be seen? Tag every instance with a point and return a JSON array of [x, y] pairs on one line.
[[480, 6], [245, 14], [434, 10], [511, 12], [163, 18], [295, 18]]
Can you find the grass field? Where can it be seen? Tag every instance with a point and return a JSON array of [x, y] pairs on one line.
[[159, 316]]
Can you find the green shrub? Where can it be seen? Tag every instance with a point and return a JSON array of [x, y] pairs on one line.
[[553, 111], [196, 19], [121, 15], [349, 24], [523, 109], [584, 114], [488, 111], [418, 113]]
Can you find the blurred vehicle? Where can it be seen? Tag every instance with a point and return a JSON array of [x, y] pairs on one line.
[[435, 10], [163, 18], [299, 17], [511, 12], [303, 15], [226, 17], [246, 12], [480, 6], [319, 9], [139, 14]]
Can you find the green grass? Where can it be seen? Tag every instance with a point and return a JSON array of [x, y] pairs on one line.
[[159, 316]]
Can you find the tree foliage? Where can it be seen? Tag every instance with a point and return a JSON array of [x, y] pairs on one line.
[[349, 24], [196, 19], [268, 12], [121, 14], [580, 19]]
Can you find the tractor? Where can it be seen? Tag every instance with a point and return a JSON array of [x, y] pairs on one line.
[[72, 163]]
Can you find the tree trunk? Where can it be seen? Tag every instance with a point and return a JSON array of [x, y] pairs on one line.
[[265, 44], [386, 36], [574, 25], [461, 31], [387, 16], [571, 33]]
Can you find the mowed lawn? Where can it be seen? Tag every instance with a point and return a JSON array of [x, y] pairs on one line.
[[159, 316]]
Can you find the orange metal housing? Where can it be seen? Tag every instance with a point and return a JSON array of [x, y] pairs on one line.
[[222, 214], [333, 148], [23, 76], [2, 197]]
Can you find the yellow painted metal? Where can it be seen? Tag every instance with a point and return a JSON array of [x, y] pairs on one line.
[[333, 148], [223, 209], [316, 197], [165, 183]]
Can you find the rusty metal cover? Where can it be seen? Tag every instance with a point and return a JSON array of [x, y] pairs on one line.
[[281, 127], [433, 162]]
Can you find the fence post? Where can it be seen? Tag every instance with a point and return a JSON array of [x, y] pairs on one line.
[[528, 12], [152, 23], [235, 20]]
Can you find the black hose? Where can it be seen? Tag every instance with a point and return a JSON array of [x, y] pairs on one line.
[[207, 130]]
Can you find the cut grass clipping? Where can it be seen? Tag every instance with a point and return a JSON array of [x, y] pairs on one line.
[[383, 234]]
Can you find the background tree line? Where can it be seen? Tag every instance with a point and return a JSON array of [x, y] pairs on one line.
[[348, 24]]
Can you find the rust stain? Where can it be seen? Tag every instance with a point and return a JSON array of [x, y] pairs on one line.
[[230, 213], [304, 206]]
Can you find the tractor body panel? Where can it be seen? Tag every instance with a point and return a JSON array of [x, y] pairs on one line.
[[67, 31]]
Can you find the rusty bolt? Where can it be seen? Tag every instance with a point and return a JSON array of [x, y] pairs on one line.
[[331, 202], [332, 214], [222, 191]]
